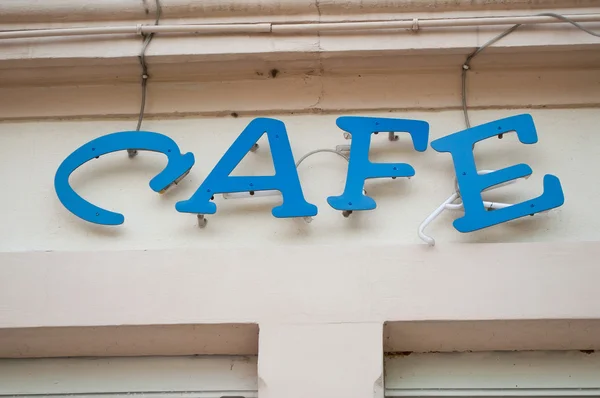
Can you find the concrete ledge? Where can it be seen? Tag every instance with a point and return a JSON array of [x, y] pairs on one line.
[[198, 376], [311, 94], [62, 11], [124, 341], [114, 59], [370, 284], [403, 338]]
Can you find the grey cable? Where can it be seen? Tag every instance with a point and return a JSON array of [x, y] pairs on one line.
[[467, 64], [319, 151], [345, 213], [142, 58]]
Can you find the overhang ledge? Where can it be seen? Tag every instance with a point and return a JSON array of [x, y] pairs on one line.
[[66, 11]]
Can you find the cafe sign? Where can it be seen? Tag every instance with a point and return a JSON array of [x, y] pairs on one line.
[[470, 182]]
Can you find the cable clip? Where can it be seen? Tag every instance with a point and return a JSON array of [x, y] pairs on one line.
[[415, 26], [138, 29], [202, 221]]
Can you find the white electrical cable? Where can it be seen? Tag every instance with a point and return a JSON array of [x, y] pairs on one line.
[[449, 204], [241, 195], [319, 151], [421, 231]]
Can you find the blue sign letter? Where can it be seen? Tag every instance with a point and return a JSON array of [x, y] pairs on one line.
[[360, 168], [285, 179], [471, 184], [177, 167]]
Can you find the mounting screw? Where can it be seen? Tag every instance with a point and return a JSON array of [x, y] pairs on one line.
[[132, 153], [202, 221], [392, 136], [254, 148], [346, 213], [347, 136], [342, 148], [308, 219]]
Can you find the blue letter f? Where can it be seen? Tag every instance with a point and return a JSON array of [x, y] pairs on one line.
[[360, 168]]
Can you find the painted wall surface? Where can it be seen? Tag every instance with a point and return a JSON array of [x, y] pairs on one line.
[[319, 293], [567, 147]]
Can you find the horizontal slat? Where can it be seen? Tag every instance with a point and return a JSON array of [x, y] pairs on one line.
[[497, 335], [520, 393], [527, 373], [130, 341], [187, 394], [116, 376]]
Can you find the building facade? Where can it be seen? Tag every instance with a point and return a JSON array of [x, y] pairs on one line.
[[344, 303]]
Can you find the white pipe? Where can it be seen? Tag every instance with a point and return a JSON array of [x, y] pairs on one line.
[[495, 205], [340, 26], [208, 29], [426, 238], [425, 23], [486, 204], [494, 21], [448, 204], [283, 28], [138, 29], [35, 33]]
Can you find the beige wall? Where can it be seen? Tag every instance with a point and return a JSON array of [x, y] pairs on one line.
[[319, 292], [567, 148], [70, 11]]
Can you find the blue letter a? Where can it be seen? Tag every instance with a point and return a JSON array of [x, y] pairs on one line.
[[285, 179]]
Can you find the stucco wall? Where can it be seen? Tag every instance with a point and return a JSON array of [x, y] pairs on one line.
[[65, 11], [34, 219], [320, 293]]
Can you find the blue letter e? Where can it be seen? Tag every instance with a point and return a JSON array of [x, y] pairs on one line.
[[471, 184], [359, 166], [285, 179]]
